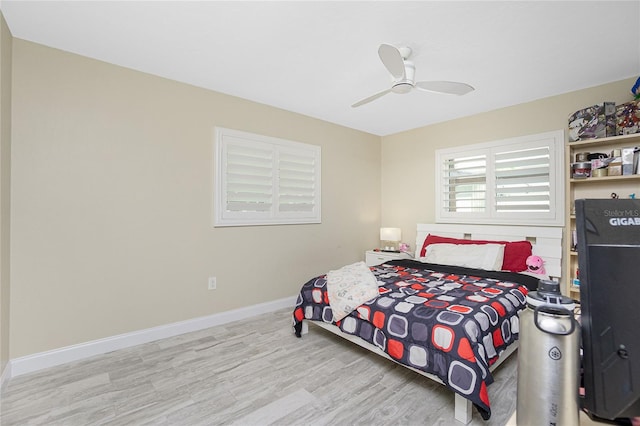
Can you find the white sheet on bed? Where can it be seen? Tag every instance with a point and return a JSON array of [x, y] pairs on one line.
[[350, 287]]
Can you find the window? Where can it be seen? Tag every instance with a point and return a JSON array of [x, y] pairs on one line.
[[513, 181], [265, 181]]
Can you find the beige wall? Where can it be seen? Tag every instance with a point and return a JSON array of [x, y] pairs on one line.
[[111, 206], [408, 190], [111, 196], [5, 186]]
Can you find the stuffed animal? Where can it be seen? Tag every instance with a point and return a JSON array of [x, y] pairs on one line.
[[404, 247], [535, 264]]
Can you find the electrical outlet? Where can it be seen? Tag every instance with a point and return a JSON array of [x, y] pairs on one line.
[[212, 283]]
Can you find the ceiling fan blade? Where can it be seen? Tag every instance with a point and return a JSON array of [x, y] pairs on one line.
[[448, 87], [392, 60], [370, 98]]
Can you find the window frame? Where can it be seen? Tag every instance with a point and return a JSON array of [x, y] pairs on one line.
[[555, 217], [229, 138]]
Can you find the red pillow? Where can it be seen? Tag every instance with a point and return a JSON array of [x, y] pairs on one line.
[[515, 252]]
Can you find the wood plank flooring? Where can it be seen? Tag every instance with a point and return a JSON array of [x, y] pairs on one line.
[[250, 372]]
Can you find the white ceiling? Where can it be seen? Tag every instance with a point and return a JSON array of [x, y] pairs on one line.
[[318, 58]]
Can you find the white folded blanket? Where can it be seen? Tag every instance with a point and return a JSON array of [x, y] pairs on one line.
[[350, 287]]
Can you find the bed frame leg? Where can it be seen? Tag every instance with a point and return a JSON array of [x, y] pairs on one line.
[[305, 327], [463, 409]]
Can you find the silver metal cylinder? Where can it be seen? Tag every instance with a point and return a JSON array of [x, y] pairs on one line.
[[548, 366]]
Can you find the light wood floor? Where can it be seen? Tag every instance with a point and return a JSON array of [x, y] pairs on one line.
[[251, 372]]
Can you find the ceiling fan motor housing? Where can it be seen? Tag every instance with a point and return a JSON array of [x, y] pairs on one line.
[[402, 87], [407, 83]]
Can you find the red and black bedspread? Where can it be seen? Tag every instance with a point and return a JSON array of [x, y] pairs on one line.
[[449, 321]]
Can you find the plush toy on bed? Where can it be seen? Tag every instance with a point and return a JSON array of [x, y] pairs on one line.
[[535, 264]]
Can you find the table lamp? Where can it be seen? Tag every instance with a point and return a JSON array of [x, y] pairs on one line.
[[389, 238]]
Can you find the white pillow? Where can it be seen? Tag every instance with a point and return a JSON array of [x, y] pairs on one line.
[[479, 256]]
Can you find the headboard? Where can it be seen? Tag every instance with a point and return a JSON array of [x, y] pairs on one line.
[[546, 241]]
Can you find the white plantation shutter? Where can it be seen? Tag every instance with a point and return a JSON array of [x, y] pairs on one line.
[[248, 171], [297, 182], [514, 181], [522, 180], [265, 181], [465, 184]]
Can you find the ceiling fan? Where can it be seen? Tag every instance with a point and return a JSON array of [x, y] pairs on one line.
[[402, 71]]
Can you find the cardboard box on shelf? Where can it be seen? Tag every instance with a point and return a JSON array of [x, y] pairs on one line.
[[615, 167]]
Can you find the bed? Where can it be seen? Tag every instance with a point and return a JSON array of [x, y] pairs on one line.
[[450, 323]]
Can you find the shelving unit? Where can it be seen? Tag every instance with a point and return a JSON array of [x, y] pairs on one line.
[[592, 187]]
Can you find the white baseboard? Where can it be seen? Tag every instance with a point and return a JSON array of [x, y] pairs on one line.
[[6, 375], [42, 360]]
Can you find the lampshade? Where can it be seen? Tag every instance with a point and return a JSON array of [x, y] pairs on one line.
[[390, 234]]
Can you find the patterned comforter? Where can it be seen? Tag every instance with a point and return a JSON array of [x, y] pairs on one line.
[[449, 321]]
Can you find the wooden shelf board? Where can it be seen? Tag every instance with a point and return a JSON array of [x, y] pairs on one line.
[[604, 178], [604, 141]]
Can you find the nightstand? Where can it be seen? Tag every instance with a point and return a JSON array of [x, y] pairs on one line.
[[373, 258]]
